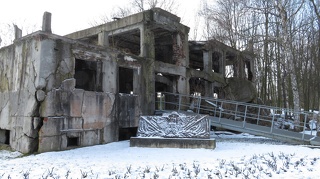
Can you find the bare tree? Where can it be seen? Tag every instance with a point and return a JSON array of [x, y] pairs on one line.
[[7, 31], [136, 6], [286, 12], [168, 5], [316, 4], [6, 34]]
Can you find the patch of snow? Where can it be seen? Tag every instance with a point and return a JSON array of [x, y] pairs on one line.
[[313, 124], [235, 156], [128, 58]]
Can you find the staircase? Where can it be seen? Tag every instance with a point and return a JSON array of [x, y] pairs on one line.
[[261, 120]]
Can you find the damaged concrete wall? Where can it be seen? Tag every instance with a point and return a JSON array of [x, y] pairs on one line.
[[74, 113], [20, 66], [40, 105]]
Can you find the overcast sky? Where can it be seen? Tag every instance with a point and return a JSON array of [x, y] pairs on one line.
[[73, 15]]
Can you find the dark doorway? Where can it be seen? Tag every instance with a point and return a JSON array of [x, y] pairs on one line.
[[4, 136], [125, 80], [127, 133]]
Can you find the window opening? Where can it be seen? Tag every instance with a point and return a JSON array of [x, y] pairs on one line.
[[215, 62], [164, 46], [229, 71], [196, 59], [125, 80], [4, 136], [88, 75], [128, 42], [73, 141]]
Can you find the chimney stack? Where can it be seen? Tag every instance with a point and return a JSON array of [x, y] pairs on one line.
[[46, 22], [17, 32]]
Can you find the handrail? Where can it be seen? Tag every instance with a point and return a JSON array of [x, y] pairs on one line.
[[240, 111]]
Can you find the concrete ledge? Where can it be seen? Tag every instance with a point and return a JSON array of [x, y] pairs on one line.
[[187, 143]]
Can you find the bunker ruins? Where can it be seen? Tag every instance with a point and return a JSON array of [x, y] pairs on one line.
[[90, 87]]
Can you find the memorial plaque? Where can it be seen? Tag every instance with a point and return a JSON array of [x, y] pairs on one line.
[[174, 125]]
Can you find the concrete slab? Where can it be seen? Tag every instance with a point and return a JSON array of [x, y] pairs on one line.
[[187, 143]]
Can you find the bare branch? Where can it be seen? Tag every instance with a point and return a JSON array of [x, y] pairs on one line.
[[315, 7]]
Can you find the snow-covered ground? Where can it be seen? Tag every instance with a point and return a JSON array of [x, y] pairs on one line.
[[236, 156]]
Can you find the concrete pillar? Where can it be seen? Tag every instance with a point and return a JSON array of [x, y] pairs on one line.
[[222, 63], [136, 81], [207, 61], [137, 91], [183, 88], [110, 71], [147, 43], [147, 50], [103, 39], [186, 47], [180, 49], [242, 73], [209, 88], [148, 87], [46, 22], [239, 67], [17, 32], [252, 70]]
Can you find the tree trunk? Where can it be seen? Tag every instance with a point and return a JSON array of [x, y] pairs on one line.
[[288, 58]]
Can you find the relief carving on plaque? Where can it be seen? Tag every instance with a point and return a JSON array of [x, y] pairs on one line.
[[174, 125]]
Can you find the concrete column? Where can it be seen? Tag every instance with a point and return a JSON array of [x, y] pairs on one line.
[[242, 73], [17, 32], [137, 91], [46, 22], [207, 61], [209, 87], [147, 86], [239, 67], [136, 81], [186, 47], [103, 39], [222, 63], [180, 49], [252, 70], [147, 43], [110, 71], [183, 88], [147, 50]]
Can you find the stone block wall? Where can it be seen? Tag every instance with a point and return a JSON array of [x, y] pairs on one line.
[[40, 106], [85, 115]]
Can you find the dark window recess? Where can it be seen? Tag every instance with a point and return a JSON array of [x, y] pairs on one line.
[[73, 141], [216, 62], [88, 75], [4, 136], [249, 72], [125, 80], [128, 42], [164, 46], [197, 85], [196, 59]]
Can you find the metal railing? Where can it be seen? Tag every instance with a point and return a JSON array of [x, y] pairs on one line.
[[247, 113]]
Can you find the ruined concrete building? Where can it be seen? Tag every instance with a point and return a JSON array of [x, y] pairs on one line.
[[59, 92]]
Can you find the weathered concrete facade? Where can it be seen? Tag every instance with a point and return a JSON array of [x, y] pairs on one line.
[[60, 92]]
